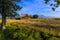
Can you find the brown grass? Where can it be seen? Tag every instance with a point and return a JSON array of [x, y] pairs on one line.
[[42, 24]]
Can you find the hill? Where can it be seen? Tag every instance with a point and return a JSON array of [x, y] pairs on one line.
[[43, 16]]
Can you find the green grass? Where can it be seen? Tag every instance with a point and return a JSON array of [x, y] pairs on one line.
[[23, 33]]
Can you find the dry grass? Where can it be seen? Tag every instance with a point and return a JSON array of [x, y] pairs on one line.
[[42, 21], [43, 24]]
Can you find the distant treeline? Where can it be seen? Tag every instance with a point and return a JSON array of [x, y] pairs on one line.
[[25, 16]]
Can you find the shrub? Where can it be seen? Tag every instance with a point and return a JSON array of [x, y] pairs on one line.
[[1, 36], [35, 16], [37, 35], [53, 38], [13, 33], [29, 38]]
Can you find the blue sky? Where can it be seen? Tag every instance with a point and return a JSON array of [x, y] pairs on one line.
[[37, 7]]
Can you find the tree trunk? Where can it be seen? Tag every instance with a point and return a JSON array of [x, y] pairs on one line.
[[3, 19], [3, 16], [3, 24]]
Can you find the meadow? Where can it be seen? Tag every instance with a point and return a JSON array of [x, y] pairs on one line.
[[32, 29]]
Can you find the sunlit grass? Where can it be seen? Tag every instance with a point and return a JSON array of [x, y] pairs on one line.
[[42, 23]]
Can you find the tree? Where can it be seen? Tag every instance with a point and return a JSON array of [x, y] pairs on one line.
[[8, 8], [35, 16], [54, 5]]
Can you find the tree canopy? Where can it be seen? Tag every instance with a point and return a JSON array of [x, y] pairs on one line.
[[10, 7], [55, 4]]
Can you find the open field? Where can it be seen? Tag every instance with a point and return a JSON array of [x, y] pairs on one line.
[[52, 22], [32, 29], [49, 23], [42, 23]]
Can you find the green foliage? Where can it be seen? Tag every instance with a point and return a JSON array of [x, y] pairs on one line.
[[54, 5], [10, 7], [29, 38], [46, 1], [12, 33], [37, 35], [53, 38], [1, 36], [35, 16]]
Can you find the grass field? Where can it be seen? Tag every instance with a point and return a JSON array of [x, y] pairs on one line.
[[42, 23], [51, 22], [32, 29]]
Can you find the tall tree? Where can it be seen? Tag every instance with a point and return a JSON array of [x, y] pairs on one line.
[[8, 8], [54, 5]]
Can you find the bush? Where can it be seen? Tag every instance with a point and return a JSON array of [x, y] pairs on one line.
[[53, 38], [29, 38], [12, 33], [1, 36], [37, 35], [35, 16]]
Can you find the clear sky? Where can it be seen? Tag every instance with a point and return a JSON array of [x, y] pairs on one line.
[[38, 7]]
